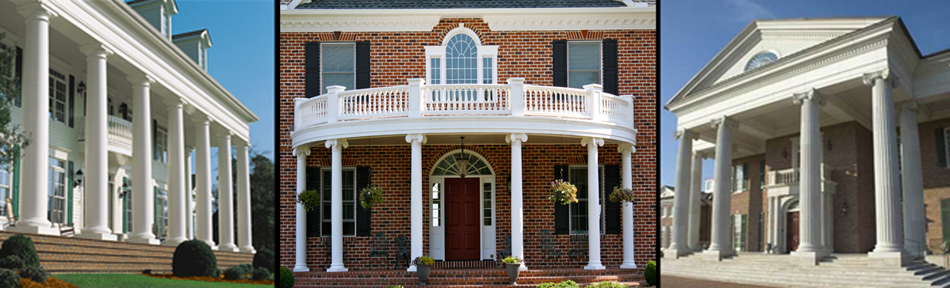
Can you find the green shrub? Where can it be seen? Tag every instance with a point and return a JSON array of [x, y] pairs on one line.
[[239, 272], [562, 284], [9, 279], [11, 262], [261, 273], [22, 247], [194, 258], [608, 285], [265, 258], [286, 278], [650, 273], [545, 285], [36, 273]]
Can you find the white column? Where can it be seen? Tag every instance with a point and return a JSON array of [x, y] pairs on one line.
[[142, 189], [810, 250], [189, 207], [593, 203], [225, 195], [517, 210], [203, 179], [35, 91], [695, 203], [684, 162], [177, 193], [336, 205], [771, 226], [301, 241], [721, 244], [96, 189], [915, 233], [626, 150], [887, 190], [244, 200], [415, 187]]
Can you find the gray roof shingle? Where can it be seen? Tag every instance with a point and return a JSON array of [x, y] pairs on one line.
[[443, 4]]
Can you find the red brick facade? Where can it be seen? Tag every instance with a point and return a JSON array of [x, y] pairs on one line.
[[398, 56]]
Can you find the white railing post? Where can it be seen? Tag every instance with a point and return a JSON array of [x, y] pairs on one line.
[[333, 102], [630, 110], [298, 113], [415, 97], [593, 103], [516, 96]]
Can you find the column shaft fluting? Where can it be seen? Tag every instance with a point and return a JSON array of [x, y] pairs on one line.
[[810, 173], [915, 233], [887, 190], [684, 166], [695, 203], [721, 245]]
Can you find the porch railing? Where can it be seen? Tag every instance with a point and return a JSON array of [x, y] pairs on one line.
[[792, 176], [118, 130], [419, 100]]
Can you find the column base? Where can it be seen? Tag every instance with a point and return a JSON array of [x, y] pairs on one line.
[[45, 230], [628, 265], [888, 259], [716, 255], [174, 242], [151, 241], [523, 267], [674, 254], [810, 258], [228, 247], [412, 268], [247, 250], [97, 236], [301, 268], [337, 268]]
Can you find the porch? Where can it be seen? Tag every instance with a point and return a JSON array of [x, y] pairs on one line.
[[487, 277]]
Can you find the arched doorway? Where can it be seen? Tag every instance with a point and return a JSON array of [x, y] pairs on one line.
[[462, 225], [792, 226]]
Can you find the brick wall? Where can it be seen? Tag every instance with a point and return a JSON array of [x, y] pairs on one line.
[[398, 56], [936, 182]]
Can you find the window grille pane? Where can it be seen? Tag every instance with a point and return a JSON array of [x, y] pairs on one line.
[[436, 75], [583, 56], [487, 70], [461, 54], [339, 58]]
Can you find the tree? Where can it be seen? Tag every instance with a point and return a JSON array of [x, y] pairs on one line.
[[262, 201], [11, 139]]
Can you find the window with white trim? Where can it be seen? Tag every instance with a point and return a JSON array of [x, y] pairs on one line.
[[8, 66], [349, 201], [584, 63], [946, 143], [338, 65], [57, 191], [436, 205], [739, 182], [5, 192], [161, 213], [461, 59], [57, 96], [160, 144], [578, 211]]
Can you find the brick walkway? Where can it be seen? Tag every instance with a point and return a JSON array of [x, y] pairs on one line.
[[677, 282]]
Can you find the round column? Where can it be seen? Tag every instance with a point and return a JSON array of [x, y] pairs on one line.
[[695, 203], [517, 210], [684, 162], [593, 203], [203, 181], [810, 178], [915, 233], [142, 188], [721, 245], [244, 201], [336, 205], [300, 244], [627, 181], [177, 221], [225, 196], [96, 189], [416, 140]]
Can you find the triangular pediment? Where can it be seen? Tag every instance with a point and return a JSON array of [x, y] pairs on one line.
[[780, 38]]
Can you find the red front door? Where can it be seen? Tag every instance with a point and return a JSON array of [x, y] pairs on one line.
[[792, 231], [461, 213]]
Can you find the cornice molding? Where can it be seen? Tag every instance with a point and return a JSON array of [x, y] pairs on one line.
[[357, 23], [570, 21], [317, 21]]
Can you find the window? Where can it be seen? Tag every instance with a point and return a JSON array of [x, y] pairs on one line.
[[739, 178], [436, 205], [5, 191], [583, 63], [762, 173], [127, 205], [461, 59], [664, 212], [349, 201], [946, 144], [486, 189], [709, 185], [434, 72], [161, 212], [8, 73], [739, 228], [945, 219], [160, 145], [57, 96], [57, 191], [578, 211], [487, 70], [339, 65], [760, 59]]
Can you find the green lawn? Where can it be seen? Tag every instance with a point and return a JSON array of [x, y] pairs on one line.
[[135, 280]]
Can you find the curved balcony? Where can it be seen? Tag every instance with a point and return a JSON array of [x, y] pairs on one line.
[[118, 133], [464, 108]]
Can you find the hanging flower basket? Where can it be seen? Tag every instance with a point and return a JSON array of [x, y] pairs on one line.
[[371, 196], [621, 195], [310, 199], [563, 192]]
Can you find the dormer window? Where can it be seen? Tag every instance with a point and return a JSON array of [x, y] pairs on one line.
[[760, 59], [461, 59]]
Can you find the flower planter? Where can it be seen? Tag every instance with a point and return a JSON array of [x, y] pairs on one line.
[[423, 272], [513, 271]]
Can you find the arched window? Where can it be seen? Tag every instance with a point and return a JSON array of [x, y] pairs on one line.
[[448, 166], [760, 59], [461, 59]]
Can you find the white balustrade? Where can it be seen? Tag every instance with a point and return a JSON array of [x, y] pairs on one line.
[[614, 108], [791, 176], [311, 112], [448, 99], [555, 101], [118, 132], [374, 102]]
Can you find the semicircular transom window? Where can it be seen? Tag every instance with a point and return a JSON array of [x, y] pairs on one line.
[[461, 64], [760, 60], [448, 166]]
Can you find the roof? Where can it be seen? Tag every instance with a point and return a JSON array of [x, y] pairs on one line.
[[462, 4], [188, 34]]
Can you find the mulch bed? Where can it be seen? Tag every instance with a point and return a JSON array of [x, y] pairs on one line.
[[210, 279], [50, 283]]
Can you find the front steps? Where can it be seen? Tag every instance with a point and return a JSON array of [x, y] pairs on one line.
[[463, 277], [840, 270]]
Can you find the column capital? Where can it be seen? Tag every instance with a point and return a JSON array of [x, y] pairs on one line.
[[416, 138], [684, 132], [885, 74], [337, 143], [520, 137], [626, 147], [811, 94], [35, 8], [142, 79], [726, 120], [302, 151], [909, 106], [96, 50], [592, 141], [189, 149], [176, 101]]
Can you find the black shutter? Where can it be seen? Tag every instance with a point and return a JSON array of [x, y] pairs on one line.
[[941, 147], [312, 71], [560, 63], [363, 222], [612, 209], [313, 215], [362, 68], [19, 75], [561, 212], [610, 66], [72, 97]]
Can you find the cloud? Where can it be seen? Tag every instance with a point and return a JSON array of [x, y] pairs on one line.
[[749, 10]]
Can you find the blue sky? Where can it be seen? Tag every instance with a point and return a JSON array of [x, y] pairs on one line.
[[241, 57], [693, 31]]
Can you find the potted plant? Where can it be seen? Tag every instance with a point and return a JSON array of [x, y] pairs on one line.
[[371, 196], [621, 195], [512, 265], [310, 199], [423, 266], [563, 192]]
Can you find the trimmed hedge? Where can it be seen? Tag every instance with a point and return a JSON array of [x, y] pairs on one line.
[[650, 273], [36, 273], [22, 247], [9, 279], [265, 258], [194, 258], [286, 278], [607, 285], [11, 262], [239, 272], [562, 284], [261, 273]]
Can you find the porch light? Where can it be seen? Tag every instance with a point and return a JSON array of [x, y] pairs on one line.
[[462, 160]]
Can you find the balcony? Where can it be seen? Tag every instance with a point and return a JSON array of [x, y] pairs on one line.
[[477, 108], [118, 133], [785, 182]]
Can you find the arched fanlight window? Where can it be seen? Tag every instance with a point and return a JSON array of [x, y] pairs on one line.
[[461, 60], [760, 59], [448, 166]]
